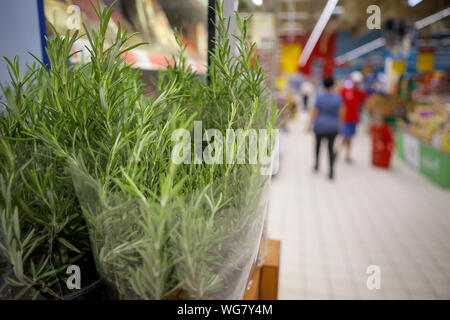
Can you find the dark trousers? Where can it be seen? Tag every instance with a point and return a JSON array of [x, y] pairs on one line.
[[305, 102], [331, 138]]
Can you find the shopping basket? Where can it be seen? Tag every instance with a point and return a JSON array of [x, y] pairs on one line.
[[382, 145]]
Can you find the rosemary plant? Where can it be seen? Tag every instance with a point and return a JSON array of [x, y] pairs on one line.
[[52, 112], [83, 151]]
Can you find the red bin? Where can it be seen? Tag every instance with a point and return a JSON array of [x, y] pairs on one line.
[[382, 145]]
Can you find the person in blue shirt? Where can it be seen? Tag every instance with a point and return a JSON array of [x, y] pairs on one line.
[[325, 120]]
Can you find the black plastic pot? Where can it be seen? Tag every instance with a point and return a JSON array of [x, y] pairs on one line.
[[93, 287], [95, 291]]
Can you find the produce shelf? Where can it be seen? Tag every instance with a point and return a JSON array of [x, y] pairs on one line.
[[430, 161]]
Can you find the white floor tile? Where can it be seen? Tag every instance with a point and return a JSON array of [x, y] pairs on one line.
[[331, 231]]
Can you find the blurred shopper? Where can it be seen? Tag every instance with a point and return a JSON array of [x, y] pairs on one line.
[[353, 97], [293, 94], [325, 119], [307, 91], [295, 81]]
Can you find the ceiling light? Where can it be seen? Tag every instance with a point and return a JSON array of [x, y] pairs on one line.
[[317, 31], [375, 44], [413, 3], [360, 51], [432, 19]]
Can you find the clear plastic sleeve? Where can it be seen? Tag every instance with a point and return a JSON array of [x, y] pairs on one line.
[[199, 246], [42, 230]]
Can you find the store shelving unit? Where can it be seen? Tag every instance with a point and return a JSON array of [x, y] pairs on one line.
[[155, 21]]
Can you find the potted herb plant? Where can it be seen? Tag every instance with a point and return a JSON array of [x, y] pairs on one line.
[[42, 229], [87, 156]]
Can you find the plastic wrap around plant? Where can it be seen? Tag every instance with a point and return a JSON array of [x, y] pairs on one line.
[[99, 182], [200, 246], [41, 230]]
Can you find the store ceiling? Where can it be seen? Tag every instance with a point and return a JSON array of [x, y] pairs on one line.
[[301, 15]]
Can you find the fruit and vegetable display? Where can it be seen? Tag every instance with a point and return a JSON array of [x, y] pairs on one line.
[[431, 123], [387, 105]]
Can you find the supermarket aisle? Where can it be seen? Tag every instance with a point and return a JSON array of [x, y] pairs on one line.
[[332, 231]]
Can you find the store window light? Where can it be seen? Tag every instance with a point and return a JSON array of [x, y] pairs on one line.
[[258, 2], [338, 10]]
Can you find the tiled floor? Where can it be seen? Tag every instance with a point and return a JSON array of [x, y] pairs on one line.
[[331, 231]]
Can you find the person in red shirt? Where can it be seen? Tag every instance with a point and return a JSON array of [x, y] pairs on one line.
[[353, 97]]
